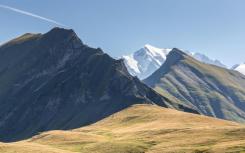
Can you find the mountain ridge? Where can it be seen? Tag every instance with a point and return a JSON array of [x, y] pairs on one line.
[[145, 61], [212, 90], [54, 81]]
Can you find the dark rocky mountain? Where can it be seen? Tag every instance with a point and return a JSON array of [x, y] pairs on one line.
[[212, 90], [53, 81]]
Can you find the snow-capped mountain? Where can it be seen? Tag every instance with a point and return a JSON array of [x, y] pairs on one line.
[[148, 59], [240, 68], [145, 61], [203, 58]]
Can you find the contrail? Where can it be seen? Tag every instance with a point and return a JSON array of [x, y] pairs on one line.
[[32, 15]]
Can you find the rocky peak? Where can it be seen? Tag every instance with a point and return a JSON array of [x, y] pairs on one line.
[[174, 56], [59, 32], [60, 35], [59, 83], [177, 52]]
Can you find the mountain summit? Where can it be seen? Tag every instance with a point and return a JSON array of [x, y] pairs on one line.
[[54, 81], [212, 90], [145, 61], [148, 59]]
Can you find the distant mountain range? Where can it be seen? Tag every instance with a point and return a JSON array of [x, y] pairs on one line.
[[212, 90], [148, 59], [203, 58], [54, 81]]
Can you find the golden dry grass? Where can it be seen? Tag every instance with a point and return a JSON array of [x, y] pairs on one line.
[[138, 129], [24, 38]]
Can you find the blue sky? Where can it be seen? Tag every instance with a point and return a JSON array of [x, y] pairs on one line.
[[213, 27]]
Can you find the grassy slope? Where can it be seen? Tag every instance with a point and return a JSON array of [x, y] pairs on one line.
[[141, 128], [23, 38], [215, 91]]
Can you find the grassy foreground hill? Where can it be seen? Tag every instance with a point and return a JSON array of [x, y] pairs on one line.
[[138, 129]]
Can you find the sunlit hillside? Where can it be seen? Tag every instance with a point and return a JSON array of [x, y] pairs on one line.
[[138, 129]]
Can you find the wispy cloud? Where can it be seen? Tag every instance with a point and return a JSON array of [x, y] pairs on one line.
[[31, 15]]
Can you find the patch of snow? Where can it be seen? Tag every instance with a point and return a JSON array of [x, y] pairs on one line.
[[240, 68], [132, 62]]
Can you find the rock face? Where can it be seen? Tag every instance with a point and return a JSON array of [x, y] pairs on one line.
[[53, 81], [212, 90]]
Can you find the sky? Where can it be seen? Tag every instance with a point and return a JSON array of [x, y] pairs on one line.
[[120, 27]]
